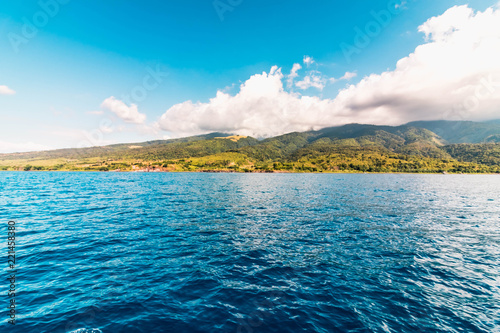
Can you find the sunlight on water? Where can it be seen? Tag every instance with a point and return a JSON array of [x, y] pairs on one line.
[[255, 252]]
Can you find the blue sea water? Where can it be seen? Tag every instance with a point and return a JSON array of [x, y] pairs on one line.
[[197, 252]]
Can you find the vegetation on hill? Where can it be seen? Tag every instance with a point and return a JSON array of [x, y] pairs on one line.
[[349, 148], [488, 154]]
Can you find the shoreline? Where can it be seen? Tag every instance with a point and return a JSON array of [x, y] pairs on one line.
[[258, 172]]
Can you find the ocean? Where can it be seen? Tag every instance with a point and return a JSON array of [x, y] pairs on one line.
[[204, 252]]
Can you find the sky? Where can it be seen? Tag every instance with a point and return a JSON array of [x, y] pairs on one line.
[[90, 73]]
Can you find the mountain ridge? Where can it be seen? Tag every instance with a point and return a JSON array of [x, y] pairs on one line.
[[352, 147]]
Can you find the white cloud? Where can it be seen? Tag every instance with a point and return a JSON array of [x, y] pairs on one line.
[[347, 76], [293, 74], [4, 90], [456, 69], [400, 5], [261, 108], [20, 147], [129, 114], [308, 61], [440, 28], [455, 75], [314, 79]]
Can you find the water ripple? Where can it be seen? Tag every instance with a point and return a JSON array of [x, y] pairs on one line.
[[127, 252]]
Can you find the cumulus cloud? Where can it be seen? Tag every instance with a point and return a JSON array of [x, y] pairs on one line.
[[347, 76], [314, 79], [129, 114], [293, 74], [4, 90], [441, 27], [455, 73], [308, 60], [262, 108]]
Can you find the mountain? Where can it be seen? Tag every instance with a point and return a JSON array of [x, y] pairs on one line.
[[427, 146], [400, 139], [175, 148], [463, 131]]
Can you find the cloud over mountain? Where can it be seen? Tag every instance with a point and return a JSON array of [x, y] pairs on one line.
[[455, 74], [262, 108]]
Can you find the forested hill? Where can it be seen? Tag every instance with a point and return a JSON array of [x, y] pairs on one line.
[[432, 146]]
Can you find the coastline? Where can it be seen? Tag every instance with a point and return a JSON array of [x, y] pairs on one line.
[[260, 172]]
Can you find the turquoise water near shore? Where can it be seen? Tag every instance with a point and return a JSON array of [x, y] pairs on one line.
[[199, 252]]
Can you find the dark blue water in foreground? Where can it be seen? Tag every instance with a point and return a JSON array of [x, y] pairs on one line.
[[136, 252]]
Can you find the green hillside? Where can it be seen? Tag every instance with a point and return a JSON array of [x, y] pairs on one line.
[[348, 148], [488, 154]]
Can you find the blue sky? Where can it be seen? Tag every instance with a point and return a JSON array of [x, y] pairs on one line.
[[84, 52]]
